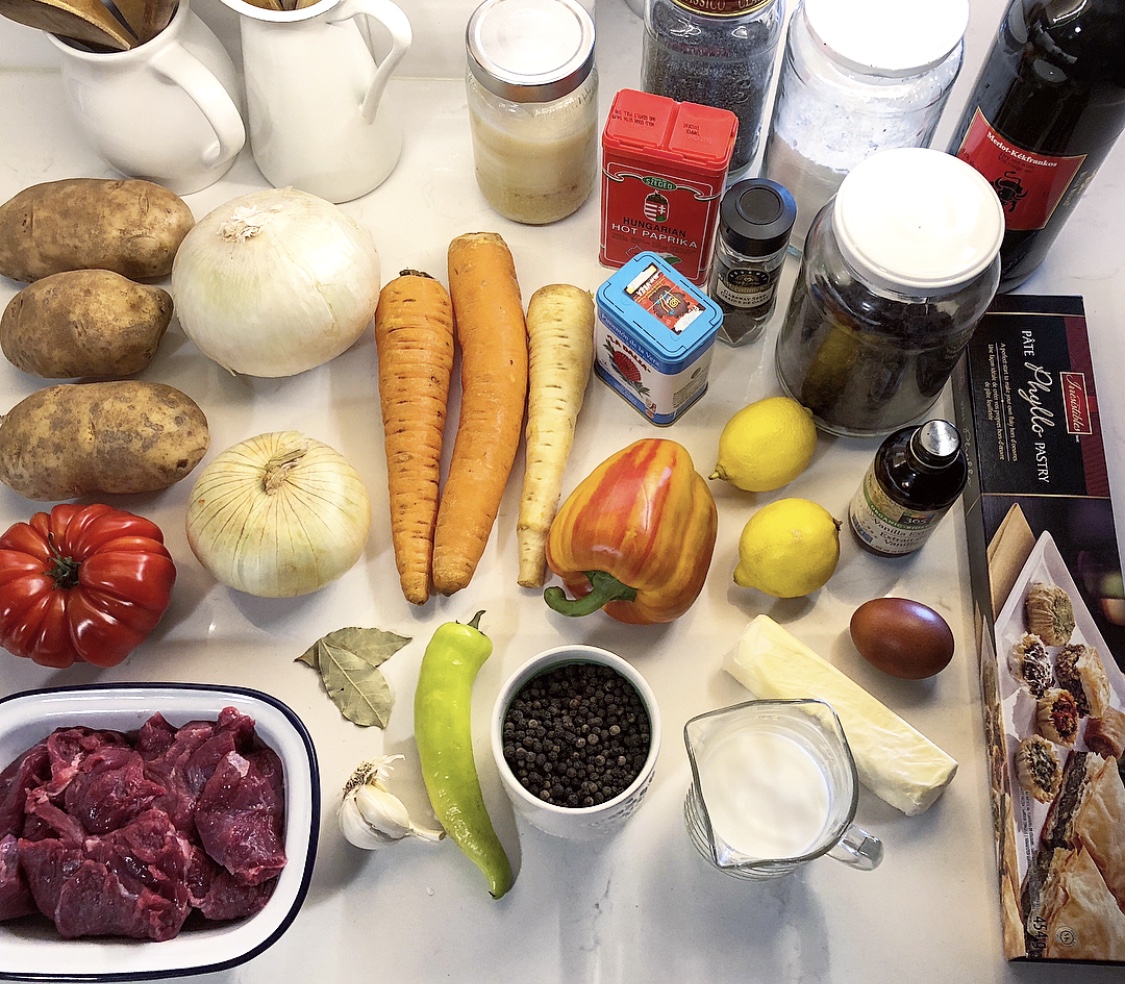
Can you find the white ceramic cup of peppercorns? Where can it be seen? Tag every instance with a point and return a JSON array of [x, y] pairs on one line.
[[575, 735]]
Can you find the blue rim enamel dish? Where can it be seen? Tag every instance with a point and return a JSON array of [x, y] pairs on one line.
[[31, 949]]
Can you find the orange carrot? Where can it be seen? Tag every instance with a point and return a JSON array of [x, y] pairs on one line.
[[414, 341], [488, 314]]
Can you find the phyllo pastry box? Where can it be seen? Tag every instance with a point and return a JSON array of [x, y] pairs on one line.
[[1050, 612]]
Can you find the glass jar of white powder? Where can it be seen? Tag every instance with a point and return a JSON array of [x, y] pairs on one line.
[[532, 91], [856, 78]]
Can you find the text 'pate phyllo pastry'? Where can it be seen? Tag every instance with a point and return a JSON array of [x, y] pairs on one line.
[[1070, 914], [1079, 669], [1057, 716], [1030, 663], [1037, 768], [1089, 813], [1050, 613], [1105, 734]]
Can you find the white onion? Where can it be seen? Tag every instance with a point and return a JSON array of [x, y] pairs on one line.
[[275, 282], [278, 515]]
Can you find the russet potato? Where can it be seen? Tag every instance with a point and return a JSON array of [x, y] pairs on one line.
[[120, 436], [130, 226], [84, 323]]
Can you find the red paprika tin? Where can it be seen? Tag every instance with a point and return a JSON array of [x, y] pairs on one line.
[[664, 165]]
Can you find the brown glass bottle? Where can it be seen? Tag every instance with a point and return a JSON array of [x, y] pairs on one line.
[[917, 474]]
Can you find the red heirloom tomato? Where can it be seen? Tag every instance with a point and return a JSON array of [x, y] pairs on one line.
[[85, 583]]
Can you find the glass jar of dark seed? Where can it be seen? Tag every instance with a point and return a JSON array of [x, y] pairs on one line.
[[755, 219], [898, 269], [715, 53]]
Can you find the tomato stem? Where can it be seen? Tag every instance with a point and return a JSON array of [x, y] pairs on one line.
[[65, 569]]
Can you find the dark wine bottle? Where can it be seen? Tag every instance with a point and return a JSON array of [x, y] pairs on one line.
[[1045, 111]]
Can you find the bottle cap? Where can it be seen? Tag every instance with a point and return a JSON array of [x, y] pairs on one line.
[[936, 442], [894, 38], [530, 50], [757, 217], [917, 219]]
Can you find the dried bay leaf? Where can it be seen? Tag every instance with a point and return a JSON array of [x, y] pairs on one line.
[[348, 660]]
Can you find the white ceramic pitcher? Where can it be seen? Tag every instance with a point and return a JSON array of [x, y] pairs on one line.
[[318, 113], [166, 110]]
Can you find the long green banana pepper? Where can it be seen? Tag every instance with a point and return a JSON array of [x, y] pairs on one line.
[[442, 706]]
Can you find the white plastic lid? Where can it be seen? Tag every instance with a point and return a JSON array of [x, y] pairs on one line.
[[917, 218], [530, 50], [890, 37]]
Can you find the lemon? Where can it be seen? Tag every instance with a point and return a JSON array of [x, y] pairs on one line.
[[788, 548], [766, 444]]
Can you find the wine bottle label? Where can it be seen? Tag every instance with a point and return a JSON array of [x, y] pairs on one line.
[[1030, 185]]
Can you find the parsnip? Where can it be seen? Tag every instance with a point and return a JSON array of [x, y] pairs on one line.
[[560, 325]]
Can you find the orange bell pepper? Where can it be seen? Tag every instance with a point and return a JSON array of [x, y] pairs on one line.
[[635, 538]]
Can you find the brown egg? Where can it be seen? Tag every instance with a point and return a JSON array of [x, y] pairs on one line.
[[902, 637]]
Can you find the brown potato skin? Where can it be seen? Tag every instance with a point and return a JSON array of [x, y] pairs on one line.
[[116, 437], [84, 323], [130, 226]]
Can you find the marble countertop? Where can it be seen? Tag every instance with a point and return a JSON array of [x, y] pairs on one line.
[[642, 906]]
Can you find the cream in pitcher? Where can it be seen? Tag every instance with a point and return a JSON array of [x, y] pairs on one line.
[[319, 117], [774, 786]]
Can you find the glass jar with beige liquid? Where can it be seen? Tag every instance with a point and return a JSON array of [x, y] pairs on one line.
[[532, 92]]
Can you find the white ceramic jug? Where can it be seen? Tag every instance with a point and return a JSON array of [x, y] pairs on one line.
[[166, 110], [319, 118]]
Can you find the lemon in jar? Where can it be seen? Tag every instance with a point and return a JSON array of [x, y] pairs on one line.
[[766, 444], [788, 549]]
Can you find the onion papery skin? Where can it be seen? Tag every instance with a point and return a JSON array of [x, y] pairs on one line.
[[275, 283], [303, 532]]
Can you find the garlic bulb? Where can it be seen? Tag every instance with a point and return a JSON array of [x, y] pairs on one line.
[[275, 282], [370, 816], [278, 515]]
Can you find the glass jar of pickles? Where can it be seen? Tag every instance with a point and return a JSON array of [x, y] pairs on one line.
[[532, 91], [898, 269]]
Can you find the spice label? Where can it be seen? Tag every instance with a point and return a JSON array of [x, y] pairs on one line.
[[723, 8], [887, 526], [744, 288], [654, 292], [658, 212], [660, 396], [1030, 185]]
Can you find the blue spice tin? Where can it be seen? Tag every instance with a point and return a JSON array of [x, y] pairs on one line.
[[654, 337]]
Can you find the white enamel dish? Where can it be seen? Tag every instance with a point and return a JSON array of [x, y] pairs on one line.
[[30, 948]]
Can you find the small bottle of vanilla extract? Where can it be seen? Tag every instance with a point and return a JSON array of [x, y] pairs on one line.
[[917, 474]]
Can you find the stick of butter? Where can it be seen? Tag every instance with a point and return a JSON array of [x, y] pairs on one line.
[[896, 762]]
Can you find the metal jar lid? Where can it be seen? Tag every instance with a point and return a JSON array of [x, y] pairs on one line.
[[530, 50], [757, 217], [917, 220]]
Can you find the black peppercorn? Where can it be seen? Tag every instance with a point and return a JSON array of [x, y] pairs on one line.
[[557, 742]]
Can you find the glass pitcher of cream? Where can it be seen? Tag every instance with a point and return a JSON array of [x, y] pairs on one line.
[[773, 787]]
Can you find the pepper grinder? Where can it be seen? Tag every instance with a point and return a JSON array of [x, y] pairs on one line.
[[755, 220]]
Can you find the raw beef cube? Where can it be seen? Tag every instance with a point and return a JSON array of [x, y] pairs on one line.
[[110, 789], [131, 882], [15, 896], [218, 895], [240, 815], [32, 768], [171, 765]]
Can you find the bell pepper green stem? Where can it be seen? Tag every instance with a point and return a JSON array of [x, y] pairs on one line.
[[604, 589]]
